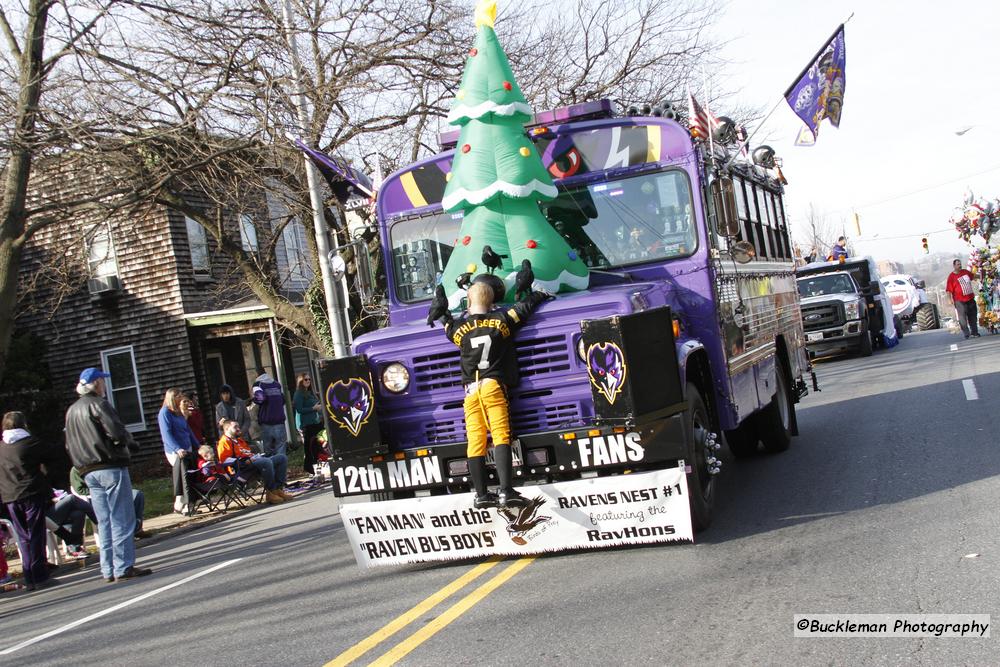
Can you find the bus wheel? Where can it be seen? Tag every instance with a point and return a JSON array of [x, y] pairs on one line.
[[701, 483], [775, 421], [743, 441]]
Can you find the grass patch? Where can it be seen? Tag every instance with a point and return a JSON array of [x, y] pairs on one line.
[[159, 492]]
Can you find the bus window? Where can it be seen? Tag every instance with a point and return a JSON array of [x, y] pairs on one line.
[[741, 204], [757, 209], [635, 219], [420, 249]]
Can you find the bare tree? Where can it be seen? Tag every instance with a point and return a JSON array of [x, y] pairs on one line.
[[187, 103]]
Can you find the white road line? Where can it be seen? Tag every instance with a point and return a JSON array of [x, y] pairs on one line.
[[970, 390], [954, 347], [109, 610]]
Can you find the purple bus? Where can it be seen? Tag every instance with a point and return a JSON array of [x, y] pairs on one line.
[[690, 328]]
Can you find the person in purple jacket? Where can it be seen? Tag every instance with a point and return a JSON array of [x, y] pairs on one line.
[[179, 444], [270, 396]]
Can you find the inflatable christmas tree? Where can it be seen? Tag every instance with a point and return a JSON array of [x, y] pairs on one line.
[[497, 178]]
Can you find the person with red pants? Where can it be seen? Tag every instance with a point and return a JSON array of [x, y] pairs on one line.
[[959, 286], [489, 366], [27, 493]]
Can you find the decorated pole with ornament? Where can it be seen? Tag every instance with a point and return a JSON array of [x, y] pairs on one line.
[[497, 178]]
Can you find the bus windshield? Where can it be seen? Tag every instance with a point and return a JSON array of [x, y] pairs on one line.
[[611, 224]]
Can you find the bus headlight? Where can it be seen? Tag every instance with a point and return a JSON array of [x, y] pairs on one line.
[[580, 350], [395, 377], [853, 310]]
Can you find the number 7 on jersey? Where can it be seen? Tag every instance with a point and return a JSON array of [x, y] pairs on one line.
[[484, 357]]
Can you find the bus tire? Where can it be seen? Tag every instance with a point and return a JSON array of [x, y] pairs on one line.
[[775, 422], [701, 484], [743, 440]]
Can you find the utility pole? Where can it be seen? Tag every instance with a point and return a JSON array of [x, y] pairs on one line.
[[334, 288]]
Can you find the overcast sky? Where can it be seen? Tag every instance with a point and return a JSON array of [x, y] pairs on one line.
[[917, 72]]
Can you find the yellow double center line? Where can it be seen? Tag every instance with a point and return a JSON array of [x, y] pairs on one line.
[[404, 647]]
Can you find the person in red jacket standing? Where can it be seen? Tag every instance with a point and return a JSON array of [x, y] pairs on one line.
[[964, 297]]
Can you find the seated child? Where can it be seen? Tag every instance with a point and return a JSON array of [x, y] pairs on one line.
[[209, 468]]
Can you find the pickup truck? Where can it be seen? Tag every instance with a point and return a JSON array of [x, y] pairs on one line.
[[844, 309], [834, 315]]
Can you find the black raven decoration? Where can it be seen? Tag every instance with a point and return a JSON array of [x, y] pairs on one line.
[[524, 280], [523, 519], [491, 259], [439, 307]]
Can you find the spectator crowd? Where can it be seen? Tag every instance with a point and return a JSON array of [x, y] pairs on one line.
[[98, 451]]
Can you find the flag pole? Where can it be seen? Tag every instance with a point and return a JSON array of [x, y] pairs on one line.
[[708, 114]]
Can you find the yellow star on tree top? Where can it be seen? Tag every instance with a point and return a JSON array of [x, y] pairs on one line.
[[486, 13]]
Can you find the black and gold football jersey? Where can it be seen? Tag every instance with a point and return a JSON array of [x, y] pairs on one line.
[[487, 341]]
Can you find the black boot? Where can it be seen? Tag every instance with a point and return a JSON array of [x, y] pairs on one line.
[[477, 471], [505, 471]]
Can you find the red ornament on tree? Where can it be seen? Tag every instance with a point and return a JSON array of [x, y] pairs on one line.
[[467, 240], [531, 243], [473, 52], [507, 85], [466, 148]]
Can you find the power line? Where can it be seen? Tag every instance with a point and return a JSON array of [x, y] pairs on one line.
[[919, 190], [904, 236]]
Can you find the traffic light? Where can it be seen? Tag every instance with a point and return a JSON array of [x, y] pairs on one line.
[[923, 242]]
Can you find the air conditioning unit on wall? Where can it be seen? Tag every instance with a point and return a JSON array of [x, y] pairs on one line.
[[104, 286]]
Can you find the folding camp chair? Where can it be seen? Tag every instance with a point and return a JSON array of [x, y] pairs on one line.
[[209, 489], [247, 485]]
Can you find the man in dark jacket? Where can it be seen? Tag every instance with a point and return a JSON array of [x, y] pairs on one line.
[[232, 408], [99, 445], [25, 489]]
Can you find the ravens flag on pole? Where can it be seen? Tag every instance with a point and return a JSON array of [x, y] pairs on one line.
[[818, 92]]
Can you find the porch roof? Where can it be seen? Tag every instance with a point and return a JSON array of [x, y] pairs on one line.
[[229, 315]]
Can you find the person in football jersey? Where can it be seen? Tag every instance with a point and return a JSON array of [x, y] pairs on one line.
[[489, 366]]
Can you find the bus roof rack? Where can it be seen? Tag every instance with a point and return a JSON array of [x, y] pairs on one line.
[[575, 112]]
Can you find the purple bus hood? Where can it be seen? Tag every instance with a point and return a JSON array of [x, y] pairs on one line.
[[554, 390]]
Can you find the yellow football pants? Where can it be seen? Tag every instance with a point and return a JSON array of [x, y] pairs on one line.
[[486, 409]]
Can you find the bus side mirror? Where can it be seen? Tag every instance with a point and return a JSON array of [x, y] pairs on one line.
[[724, 199], [743, 252]]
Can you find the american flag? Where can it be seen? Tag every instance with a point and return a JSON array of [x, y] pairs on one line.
[[700, 121]]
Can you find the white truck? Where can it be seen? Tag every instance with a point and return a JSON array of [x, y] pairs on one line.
[[909, 302]]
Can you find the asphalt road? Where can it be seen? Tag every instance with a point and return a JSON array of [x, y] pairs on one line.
[[877, 507]]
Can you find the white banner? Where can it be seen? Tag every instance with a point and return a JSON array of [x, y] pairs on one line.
[[586, 513]]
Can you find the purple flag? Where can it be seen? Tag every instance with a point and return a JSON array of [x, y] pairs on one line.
[[818, 93], [345, 181]]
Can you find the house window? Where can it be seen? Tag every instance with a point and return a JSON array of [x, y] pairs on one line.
[[123, 386], [199, 246], [248, 233], [101, 260], [299, 273]]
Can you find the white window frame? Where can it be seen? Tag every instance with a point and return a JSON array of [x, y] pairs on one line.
[[109, 393], [194, 229], [248, 233], [110, 259]]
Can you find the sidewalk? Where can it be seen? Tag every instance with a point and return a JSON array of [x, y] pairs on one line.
[[167, 525]]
